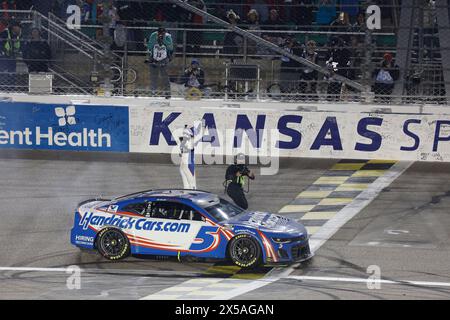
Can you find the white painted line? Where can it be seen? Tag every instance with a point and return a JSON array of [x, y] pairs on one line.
[[243, 288], [328, 229], [319, 238], [182, 289], [31, 269], [371, 281], [211, 293], [357, 205], [137, 272]]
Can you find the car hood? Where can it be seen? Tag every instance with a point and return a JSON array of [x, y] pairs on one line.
[[267, 222]]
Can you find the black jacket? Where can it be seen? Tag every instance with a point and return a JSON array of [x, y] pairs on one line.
[[342, 57], [37, 56]]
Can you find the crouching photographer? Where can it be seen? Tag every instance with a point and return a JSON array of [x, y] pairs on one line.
[[235, 179]]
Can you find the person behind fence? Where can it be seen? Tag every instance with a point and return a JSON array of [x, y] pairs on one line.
[[252, 25], [338, 62], [273, 23], [10, 49], [235, 178], [37, 53], [194, 76], [342, 24], [195, 38], [232, 43], [160, 48], [385, 76]]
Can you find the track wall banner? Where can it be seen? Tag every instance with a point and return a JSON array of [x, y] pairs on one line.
[[64, 127], [354, 135]]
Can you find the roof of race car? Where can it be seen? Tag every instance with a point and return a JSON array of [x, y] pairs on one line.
[[199, 197]]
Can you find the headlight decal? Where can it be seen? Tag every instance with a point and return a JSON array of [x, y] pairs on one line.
[[268, 247]]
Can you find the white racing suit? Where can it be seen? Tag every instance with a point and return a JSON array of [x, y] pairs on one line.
[[191, 137]]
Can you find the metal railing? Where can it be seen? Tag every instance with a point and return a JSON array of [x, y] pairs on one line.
[[421, 80]]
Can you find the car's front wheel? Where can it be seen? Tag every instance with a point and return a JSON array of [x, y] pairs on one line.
[[113, 244], [245, 251]]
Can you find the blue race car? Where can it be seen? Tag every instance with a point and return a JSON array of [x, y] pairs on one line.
[[187, 223]]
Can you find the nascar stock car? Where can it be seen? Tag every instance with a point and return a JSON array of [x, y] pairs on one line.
[[187, 223]]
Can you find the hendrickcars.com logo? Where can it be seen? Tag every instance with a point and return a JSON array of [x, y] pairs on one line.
[[90, 219]]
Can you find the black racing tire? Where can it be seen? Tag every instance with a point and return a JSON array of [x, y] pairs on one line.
[[113, 244], [245, 252]]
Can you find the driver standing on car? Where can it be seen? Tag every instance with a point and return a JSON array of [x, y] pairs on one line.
[[235, 177]]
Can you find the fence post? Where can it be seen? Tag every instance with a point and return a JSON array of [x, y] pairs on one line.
[[107, 41], [367, 94]]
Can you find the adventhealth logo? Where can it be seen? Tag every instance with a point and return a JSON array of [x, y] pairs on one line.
[[39, 136], [66, 116]]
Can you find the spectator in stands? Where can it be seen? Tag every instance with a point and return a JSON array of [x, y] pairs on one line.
[[342, 24], [238, 6], [10, 49], [273, 23], [85, 11], [385, 76], [262, 8], [252, 24], [7, 16], [160, 49], [301, 13], [351, 8], [113, 15], [120, 38], [37, 53], [132, 15], [357, 41], [290, 69], [339, 62], [9, 5], [326, 12], [232, 42], [195, 38], [194, 76], [360, 23], [308, 76]]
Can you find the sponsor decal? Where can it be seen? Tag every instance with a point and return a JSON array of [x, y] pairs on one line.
[[266, 220], [295, 134], [91, 219], [63, 127], [84, 238]]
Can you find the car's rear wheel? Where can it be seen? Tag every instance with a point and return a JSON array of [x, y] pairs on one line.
[[113, 244], [245, 251]]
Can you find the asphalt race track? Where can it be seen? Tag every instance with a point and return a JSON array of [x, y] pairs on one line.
[[404, 232]]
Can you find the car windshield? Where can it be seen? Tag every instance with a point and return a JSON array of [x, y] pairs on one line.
[[224, 210]]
